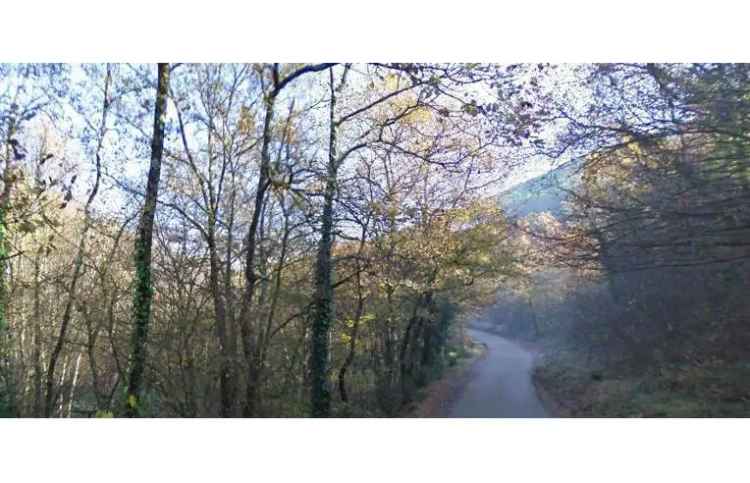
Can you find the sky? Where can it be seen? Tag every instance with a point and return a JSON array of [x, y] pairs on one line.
[[132, 165]]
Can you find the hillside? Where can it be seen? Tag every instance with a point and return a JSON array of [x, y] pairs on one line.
[[543, 193]]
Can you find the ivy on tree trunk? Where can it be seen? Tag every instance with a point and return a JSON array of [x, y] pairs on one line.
[[143, 286], [322, 306]]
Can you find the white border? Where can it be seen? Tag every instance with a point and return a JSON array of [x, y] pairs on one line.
[[379, 451], [368, 450], [395, 30]]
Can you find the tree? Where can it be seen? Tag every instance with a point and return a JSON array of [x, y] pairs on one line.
[[222, 128], [143, 284], [249, 334], [280, 226], [29, 91], [51, 396]]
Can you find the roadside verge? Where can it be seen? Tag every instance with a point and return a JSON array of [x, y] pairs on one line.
[[438, 397]]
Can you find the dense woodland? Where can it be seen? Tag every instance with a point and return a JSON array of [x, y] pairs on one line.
[[225, 240]]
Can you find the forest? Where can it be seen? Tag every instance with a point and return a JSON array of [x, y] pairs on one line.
[[294, 240]]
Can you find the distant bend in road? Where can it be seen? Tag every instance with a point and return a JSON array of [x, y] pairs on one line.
[[501, 385]]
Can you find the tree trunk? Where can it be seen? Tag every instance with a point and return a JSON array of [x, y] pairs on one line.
[[7, 387], [60, 383], [404, 369], [322, 303], [226, 380], [143, 286], [355, 329], [247, 333], [350, 356], [72, 394], [77, 263], [37, 353]]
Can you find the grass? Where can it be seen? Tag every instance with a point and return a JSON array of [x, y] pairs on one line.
[[718, 389]]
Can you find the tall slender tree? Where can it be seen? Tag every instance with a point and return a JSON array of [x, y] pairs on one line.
[[248, 332], [143, 286], [322, 308], [51, 394]]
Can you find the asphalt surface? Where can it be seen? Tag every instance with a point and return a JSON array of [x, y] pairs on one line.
[[500, 386]]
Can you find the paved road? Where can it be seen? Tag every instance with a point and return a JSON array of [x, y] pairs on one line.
[[501, 384]]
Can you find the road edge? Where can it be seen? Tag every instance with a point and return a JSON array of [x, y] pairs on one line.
[[440, 395]]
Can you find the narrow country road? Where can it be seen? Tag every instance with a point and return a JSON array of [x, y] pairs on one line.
[[501, 383]]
